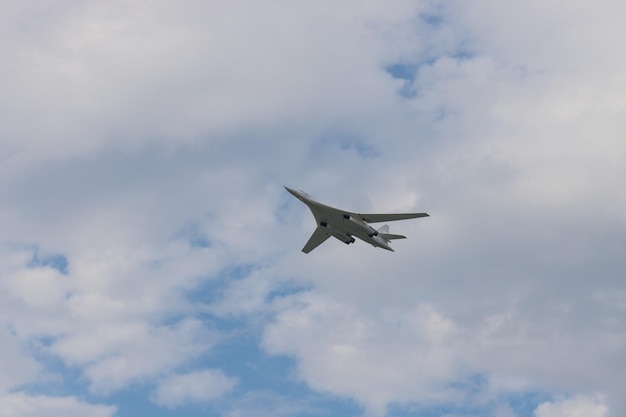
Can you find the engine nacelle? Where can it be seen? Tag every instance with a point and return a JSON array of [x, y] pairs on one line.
[[359, 226], [345, 238]]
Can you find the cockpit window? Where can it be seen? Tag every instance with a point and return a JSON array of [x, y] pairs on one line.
[[306, 195]]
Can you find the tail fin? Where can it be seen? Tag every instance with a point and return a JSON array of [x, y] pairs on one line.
[[384, 233]]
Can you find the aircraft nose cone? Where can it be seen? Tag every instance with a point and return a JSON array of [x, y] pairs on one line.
[[291, 191]]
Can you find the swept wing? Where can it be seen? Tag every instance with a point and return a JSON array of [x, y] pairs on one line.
[[378, 217], [318, 237]]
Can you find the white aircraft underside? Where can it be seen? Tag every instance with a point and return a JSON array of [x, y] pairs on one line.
[[345, 225]]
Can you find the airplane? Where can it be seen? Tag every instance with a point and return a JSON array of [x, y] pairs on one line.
[[344, 225]]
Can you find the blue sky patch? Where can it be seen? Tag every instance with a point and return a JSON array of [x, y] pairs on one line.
[[347, 143], [525, 403], [404, 72], [54, 261], [463, 55], [193, 233], [432, 20]]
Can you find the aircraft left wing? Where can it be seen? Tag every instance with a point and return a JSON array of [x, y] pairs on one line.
[[377, 217], [318, 237]]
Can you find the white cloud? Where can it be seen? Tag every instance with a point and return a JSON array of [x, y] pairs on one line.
[[366, 332], [214, 63], [38, 288], [199, 386], [574, 407], [23, 405], [101, 318], [374, 359], [247, 295], [118, 354], [17, 367], [19, 287]]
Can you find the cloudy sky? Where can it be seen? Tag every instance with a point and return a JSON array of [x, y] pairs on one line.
[[150, 258]]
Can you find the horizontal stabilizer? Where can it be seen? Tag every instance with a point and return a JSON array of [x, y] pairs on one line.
[[389, 236], [377, 217], [384, 233]]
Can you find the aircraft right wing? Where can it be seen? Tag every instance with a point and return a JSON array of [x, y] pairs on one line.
[[318, 237], [377, 217]]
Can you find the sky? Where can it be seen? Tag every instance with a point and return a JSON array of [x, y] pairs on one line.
[[150, 258]]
